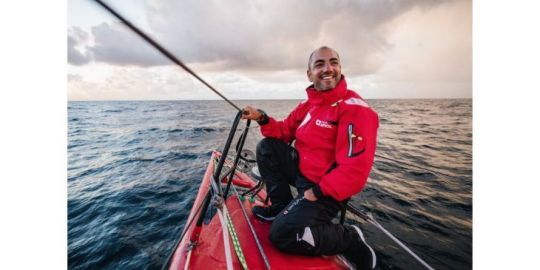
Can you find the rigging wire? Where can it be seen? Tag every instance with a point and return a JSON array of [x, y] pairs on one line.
[[369, 218], [163, 51]]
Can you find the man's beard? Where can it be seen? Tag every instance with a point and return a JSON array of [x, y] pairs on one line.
[[320, 86]]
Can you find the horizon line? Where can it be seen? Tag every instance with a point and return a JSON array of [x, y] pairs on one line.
[[90, 100]]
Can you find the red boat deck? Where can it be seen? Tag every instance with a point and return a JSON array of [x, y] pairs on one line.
[[208, 253]]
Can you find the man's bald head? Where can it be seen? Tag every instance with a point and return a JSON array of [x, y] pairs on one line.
[[324, 68], [319, 49]]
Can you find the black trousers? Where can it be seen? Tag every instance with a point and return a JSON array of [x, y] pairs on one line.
[[302, 227]]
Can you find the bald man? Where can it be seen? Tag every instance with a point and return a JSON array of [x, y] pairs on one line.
[[335, 135]]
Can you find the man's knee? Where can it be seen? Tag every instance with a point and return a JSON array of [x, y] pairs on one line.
[[265, 146], [281, 236], [291, 239], [266, 152]]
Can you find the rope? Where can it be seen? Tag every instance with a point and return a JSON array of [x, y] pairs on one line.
[[230, 227], [163, 51], [236, 242], [259, 246], [257, 241]]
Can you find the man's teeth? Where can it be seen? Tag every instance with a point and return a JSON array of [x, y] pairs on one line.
[[327, 77]]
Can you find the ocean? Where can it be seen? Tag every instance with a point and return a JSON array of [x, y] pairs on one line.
[[134, 168]]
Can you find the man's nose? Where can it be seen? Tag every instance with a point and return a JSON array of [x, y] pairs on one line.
[[326, 67]]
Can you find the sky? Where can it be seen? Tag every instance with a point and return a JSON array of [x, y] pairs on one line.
[[258, 49]]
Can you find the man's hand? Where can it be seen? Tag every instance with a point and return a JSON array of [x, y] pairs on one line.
[[309, 195], [251, 113]]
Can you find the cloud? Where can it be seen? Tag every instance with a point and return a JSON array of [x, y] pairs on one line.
[[76, 38], [171, 83], [116, 44], [276, 35], [432, 54], [74, 78], [257, 35], [132, 83]]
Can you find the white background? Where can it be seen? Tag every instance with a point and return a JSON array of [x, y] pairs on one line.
[[33, 135]]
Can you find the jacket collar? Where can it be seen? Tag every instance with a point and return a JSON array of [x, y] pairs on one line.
[[316, 97]]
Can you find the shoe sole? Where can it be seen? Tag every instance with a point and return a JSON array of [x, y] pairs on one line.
[[370, 249]]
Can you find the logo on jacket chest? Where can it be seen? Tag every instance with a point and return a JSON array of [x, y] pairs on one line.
[[322, 123]]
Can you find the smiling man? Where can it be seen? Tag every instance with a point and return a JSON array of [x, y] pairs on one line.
[[324, 69], [335, 136]]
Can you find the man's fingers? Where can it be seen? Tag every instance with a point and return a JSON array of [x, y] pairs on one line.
[[247, 112], [251, 113]]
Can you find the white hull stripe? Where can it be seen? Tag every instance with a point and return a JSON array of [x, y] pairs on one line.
[[226, 245]]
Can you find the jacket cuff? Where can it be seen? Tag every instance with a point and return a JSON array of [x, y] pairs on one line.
[[317, 191], [264, 118]]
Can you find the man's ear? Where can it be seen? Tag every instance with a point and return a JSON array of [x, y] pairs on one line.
[[308, 72]]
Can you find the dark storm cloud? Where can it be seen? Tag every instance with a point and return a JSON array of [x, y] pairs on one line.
[[257, 34]]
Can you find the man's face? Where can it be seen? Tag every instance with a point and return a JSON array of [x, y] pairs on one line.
[[324, 69]]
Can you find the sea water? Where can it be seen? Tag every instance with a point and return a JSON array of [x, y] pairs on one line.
[[134, 168]]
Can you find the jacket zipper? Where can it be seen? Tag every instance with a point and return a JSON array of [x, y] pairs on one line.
[[350, 140]]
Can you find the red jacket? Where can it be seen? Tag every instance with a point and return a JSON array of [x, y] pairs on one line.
[[336, 137]]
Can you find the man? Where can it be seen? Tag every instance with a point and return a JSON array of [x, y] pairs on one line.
[[335, 139]]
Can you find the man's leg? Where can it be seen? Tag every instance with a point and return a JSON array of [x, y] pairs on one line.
[[278, 165], [305, 228]]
